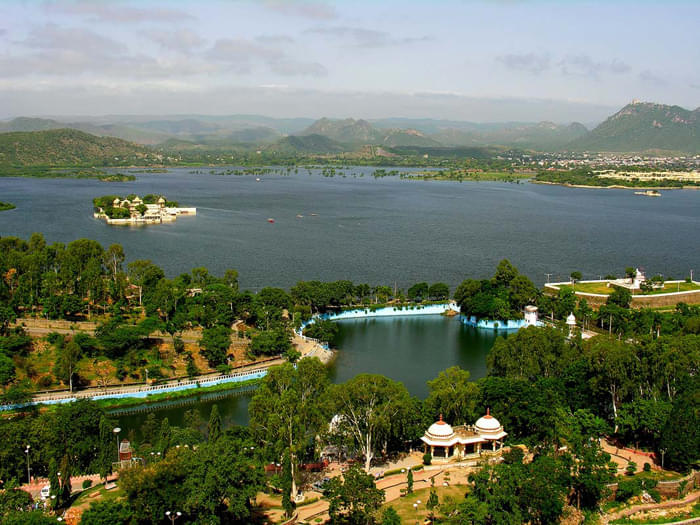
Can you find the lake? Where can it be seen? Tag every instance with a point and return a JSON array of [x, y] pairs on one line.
[[379, 231]]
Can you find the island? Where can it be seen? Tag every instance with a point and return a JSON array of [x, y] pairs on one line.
[[6, 206], [152, 209]]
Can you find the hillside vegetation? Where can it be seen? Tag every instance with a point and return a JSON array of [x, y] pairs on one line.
[[67, 147], [643, 126]]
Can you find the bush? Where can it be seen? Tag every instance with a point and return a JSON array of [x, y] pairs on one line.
[[655, 495], [647, 467], [87, 484], [178, 345], [45, 381], [631, 468], [54, 337], [628, 489], [427, 458], [223, 369], [192, 369]]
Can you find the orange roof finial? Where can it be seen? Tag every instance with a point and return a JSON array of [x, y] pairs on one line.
[[488, 413], [440, 421]]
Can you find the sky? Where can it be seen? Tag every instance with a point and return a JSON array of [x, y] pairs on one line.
[[476, 60]]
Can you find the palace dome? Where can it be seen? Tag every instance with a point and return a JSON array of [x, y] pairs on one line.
[[571, 319], [488, 424], [440, 429]]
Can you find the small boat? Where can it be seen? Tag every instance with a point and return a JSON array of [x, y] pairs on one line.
[[314, 214], [257, 179], [271, 220], [299, 216], [649, 193]]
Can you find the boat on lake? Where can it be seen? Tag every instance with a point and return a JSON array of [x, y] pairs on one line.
[[649, 193], [270, 220]]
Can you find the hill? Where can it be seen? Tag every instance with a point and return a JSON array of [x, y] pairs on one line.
[[67, 147], [354, 133], [642, 126], [314, 143]]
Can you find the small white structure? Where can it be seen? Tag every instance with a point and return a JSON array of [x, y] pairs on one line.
[[571, 323], [530, 315], [446, 443], [631, 283]]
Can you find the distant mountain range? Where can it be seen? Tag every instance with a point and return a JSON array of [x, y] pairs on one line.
[[637, 127]]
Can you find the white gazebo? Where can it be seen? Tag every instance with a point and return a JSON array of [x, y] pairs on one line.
[[446, 443]]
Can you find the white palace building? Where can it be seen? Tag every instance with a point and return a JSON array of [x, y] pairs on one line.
[[446, 443]]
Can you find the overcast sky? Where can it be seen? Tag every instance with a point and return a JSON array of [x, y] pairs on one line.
[[490, 60]]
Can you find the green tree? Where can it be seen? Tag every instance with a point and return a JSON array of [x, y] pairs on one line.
[[438, 291], [214, 426], [453, 395], [409, 482], [287, 410], [66, 362], [390, 517], [367, 406], [107, 513], [530, 353], [215, 343], [355, 499]]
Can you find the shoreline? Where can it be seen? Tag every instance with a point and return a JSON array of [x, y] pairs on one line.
[[614, 186]]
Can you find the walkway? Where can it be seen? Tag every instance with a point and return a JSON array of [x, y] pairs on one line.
[[690, 498]]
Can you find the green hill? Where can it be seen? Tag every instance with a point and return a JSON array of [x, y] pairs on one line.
[[67, 147], [643, 126], [307, 144]]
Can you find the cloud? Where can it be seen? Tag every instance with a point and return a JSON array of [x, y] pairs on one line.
[[244, 55], [584, 65], [303, 8], [651, 78], [182, 40], [361, 37], [274, 39], [529, 62], [109, 12], [54, 38]]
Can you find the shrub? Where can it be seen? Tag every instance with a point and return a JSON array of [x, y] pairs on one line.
[[45, 381], [647, 467], [192, 369], [631, 468], [87, 484], [627, 489], [178, 345], [223, 369], [427, 458], [655, 495]]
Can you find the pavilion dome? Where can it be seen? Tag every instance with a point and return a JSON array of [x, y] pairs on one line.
[[488, 424], [571, 319], [161, 200], [115, 202], [440, 430]]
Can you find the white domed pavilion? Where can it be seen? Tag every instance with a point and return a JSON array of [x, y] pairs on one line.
[[446, 443]]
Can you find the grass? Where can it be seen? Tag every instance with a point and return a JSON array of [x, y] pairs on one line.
[[603, 289], [105, 495], [404, 506]]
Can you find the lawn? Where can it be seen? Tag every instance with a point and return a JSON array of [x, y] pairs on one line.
[[404, 506], [603, 289]]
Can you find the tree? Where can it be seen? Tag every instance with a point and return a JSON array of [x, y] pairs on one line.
[[438, 291], [453, 395], [113, 260], [214, 343], [366, 407], [432, 501], [409, 481], [355, 499], [390, 517], [530, 353], [575, 276], [287, 410], [105, 454], [107, 513], [68, 357], [214, 426], [681, 436], [620, 297], [614, 365], [418, 291]]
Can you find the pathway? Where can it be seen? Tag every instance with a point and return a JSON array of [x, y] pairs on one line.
[[690, 498]]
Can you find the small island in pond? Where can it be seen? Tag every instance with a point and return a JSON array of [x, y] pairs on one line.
[[152, 209], [6, 206]]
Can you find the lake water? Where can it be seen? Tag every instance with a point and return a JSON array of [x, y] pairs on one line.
[[379, 231]]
